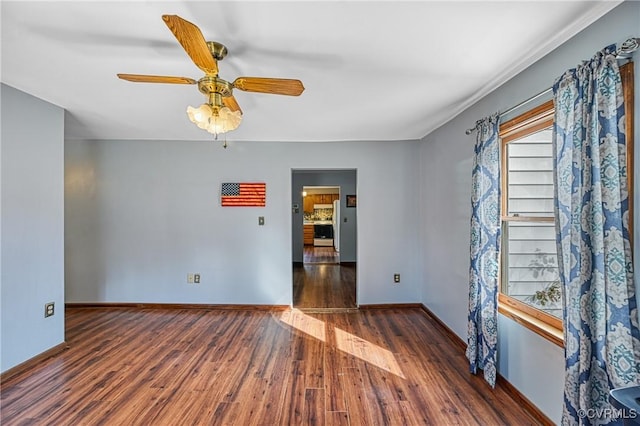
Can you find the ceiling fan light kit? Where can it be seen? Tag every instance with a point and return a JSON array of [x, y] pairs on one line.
[[221, 113], [214, 119]]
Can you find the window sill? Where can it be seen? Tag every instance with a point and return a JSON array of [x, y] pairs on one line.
[[539, 327]]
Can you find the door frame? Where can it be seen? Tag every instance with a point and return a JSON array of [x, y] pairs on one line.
[[347, 180]]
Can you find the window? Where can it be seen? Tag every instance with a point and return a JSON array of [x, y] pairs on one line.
[[529, 281], [530, 290]]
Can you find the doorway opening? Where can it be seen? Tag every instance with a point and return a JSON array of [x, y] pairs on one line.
[[321, 228], [324, 236]]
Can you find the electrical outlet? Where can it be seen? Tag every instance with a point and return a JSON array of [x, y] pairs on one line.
[[49, 309], [396, 278], [190, 278], [196, 278]]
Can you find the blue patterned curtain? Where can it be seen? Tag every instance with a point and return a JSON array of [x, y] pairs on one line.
[[485, 250], [602, 341]]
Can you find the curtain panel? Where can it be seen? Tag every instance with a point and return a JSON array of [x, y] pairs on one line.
[[602, 341], [484, 251]]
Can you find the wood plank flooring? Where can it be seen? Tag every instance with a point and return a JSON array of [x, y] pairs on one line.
[[313, 254], [208, 367], [324, 286]]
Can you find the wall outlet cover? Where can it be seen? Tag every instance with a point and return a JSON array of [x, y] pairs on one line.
[[49, 309]]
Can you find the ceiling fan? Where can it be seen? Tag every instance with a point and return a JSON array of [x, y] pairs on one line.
[[221, 113]]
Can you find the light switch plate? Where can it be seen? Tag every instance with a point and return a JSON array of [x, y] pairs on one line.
[[260, 220]]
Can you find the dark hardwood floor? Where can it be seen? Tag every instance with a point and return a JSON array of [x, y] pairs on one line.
[[211, 367], [313, 254], [324, 286]]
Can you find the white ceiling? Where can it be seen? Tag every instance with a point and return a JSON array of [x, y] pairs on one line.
[[384, 70]]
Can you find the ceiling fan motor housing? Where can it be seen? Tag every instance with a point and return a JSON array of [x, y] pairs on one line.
[[210, 84]]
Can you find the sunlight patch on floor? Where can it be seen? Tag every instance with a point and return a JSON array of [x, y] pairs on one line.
[[346, 342], [305, 323], [368, 352]]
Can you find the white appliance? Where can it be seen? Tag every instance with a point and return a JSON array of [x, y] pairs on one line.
[[323, 225], [336, 225]]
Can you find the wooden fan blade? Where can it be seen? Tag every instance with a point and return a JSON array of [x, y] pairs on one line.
[[231, 103], [278, 86], [192, 41], [139, 78]]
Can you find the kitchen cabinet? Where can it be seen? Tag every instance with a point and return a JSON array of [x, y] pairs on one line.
[[307, 204], [308, 235], [311, 199], [326, 198]]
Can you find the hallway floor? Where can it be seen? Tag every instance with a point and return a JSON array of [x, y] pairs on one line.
[[324, 286], [320, 255]]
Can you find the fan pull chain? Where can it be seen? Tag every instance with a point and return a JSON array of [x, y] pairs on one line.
[[224, 141]]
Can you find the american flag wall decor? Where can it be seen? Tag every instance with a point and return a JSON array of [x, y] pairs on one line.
[[243, 194]]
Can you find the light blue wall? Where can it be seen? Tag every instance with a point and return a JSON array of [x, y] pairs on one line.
[[346, 180], [141, 215], [533, 365], [32, 236]]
